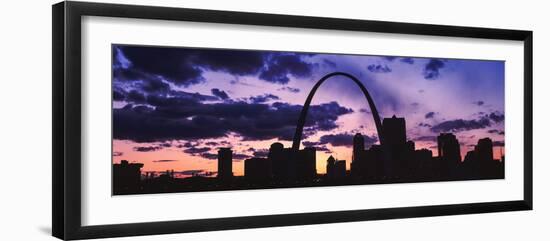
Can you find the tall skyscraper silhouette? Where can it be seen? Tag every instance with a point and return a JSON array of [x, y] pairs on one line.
[[448, 147], [335, 169], [484, 153], [394, 131], [395, 145], [359, 161], [279, 161], [225, 163], [448, 152], [484, 149], [358, 147], [480, 163], [330, 167], [305, 164]]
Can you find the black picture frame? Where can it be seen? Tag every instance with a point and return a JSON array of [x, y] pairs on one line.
[[66, 47]]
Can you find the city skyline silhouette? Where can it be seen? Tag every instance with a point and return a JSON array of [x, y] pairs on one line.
[[394, 161], [270, 140]]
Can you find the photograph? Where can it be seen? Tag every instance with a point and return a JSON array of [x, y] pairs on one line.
[[189, 119], [281, 120]]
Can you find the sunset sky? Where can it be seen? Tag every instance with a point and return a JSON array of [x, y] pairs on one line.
[[173, 107]]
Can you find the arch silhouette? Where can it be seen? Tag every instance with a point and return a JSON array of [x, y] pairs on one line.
[[303, 114]]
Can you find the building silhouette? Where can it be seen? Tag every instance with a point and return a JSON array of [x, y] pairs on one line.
[[306, 164], [395, 146], [225, 163], [423, 164], [336, 170], [280, 159], [358, 164], [284, 167], [258, 169], [358, 147], [126, 177], [448, 147], [484, 150], [479, 163], [448, 152]]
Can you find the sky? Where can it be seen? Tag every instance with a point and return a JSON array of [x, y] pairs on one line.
[[173, 106]]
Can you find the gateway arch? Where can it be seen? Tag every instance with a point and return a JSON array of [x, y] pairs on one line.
[[303, 114]]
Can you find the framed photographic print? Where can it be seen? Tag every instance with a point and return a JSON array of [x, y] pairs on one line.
[[230, 120]]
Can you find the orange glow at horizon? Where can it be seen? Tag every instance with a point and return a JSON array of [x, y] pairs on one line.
[[177, 160]]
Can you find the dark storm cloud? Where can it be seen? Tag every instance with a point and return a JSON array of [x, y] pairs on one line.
[[171, 63], [290, 89], [317, 145], [188, 144], [363, 110], [191, 172], [185, 67], [323, 149], [323, 117], [495, 131], [197, 150], [178, 98], [220, 94], [130, 123], [407, 60], [259, 152], [234, 62], [461, 125], [166, 144], [377, 68], [119, 60], [422, 124], [119, 95], [498, 143], [136, 97], [174, 118], [147, 148], [240, 156], [425, 138], [263, 98], [310, 143], [432, 68], [150, 91], [329, 63], [429, 115], [118, 153], [217, 144], [344, 139], [125, 80], [281, 66], [496, 117], [390, 58], [479, 103], [165, 160], [154, 85], [208, 155]]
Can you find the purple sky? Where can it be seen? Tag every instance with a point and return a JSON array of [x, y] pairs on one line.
[[174, 106]]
